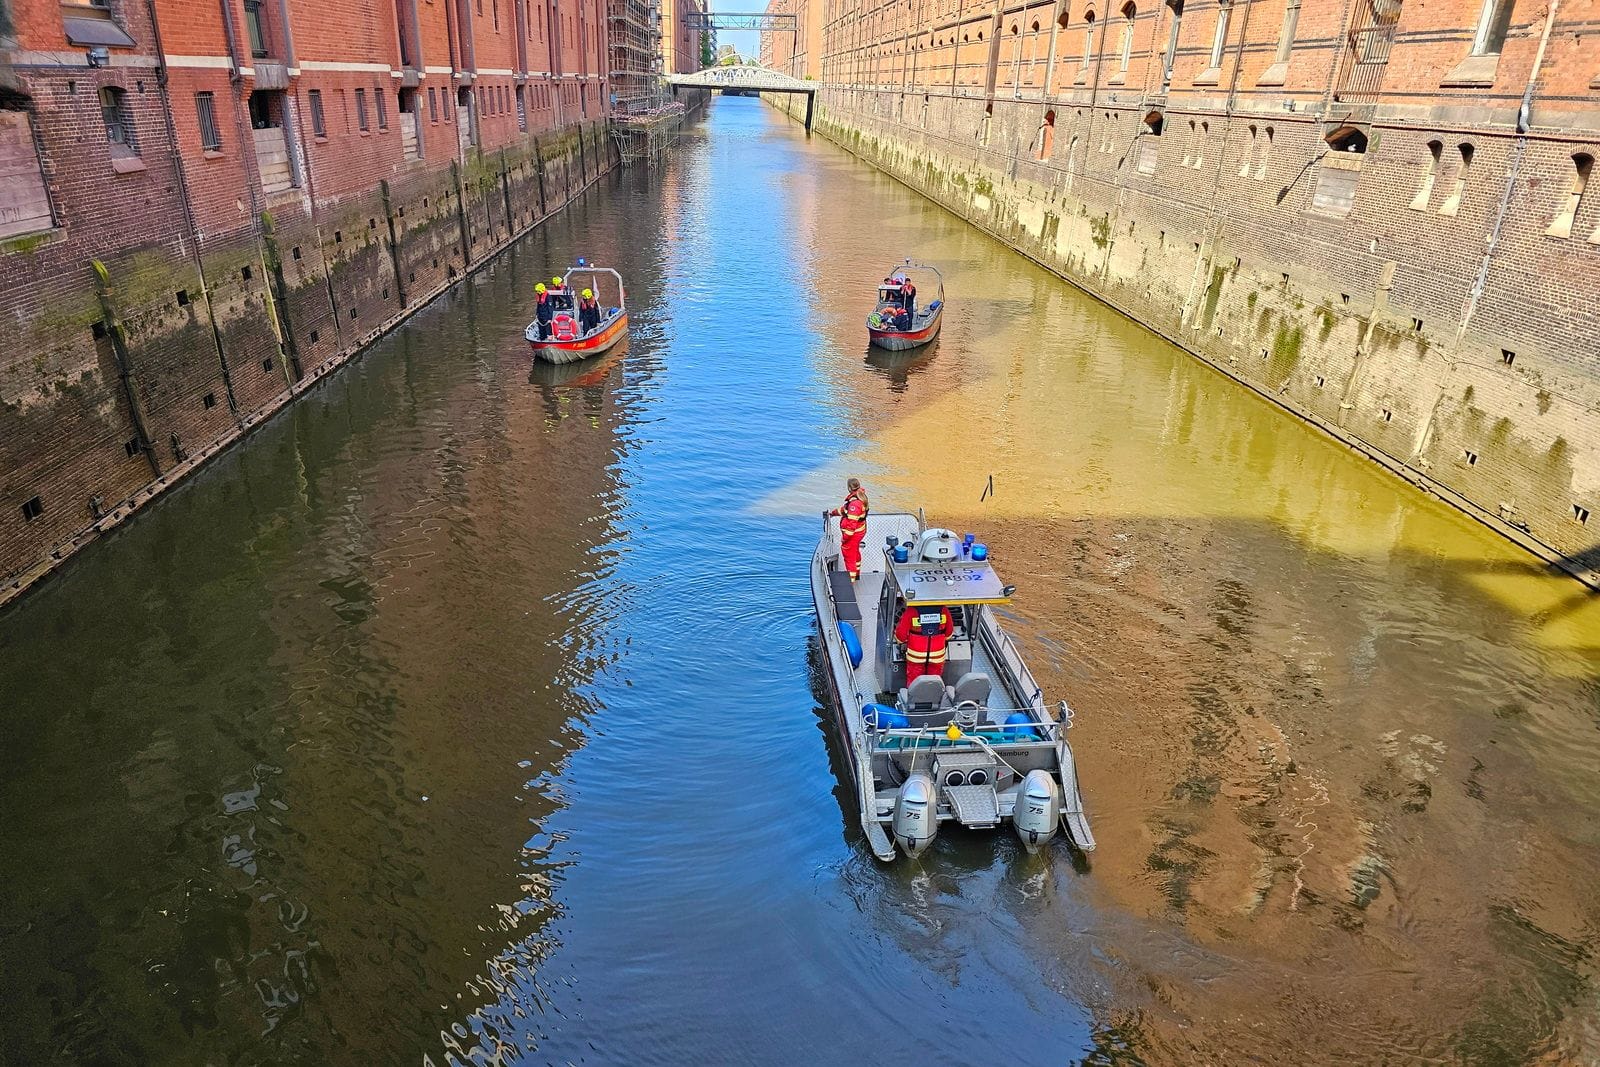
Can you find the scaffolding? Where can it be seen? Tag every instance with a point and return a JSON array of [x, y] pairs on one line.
[[644, 117]]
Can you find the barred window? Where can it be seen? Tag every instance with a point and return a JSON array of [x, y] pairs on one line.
[[319, 122], [205, 108], [383, 109], [361, 109], [118, 120]]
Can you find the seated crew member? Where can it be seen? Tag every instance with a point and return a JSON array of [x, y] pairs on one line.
[[902, 319], [925, 630], [588, 313]]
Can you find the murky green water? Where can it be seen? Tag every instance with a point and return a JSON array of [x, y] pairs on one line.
[[468, 715]]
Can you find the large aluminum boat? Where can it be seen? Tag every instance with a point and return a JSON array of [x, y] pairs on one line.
[[977, 746]]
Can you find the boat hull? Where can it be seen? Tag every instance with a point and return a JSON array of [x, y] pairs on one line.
[[584, 347], [902, 340]]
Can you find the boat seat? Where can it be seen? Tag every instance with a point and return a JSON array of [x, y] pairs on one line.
[[844, 596], [973, 686], [926, 702]]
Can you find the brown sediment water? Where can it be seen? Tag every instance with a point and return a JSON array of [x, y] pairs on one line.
[[469, 712]]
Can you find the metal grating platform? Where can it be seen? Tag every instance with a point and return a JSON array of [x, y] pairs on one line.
[[974, 805]]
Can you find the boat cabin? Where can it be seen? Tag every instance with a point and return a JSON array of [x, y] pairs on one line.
[[938, 570]]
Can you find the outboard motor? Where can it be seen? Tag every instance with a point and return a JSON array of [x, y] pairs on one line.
[[937, 546], [916, 814], [1037, 815]]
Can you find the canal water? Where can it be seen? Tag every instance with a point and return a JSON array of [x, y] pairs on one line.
[[469, 714]]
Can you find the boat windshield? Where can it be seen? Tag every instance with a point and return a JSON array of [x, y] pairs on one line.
[[957, 582]]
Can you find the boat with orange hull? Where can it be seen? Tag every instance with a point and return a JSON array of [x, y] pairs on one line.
[[897, 323], [564, 340]]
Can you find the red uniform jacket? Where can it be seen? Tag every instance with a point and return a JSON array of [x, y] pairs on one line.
[[924, 631]]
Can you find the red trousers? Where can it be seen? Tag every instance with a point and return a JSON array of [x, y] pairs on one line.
[[850, 549], [915, 670]]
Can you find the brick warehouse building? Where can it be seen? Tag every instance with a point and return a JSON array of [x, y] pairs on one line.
[[206, 206], [1382, 214]]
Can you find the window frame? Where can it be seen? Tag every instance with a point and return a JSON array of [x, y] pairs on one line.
[[116, 116], [319, 117], [205, 110], [1494, 25]]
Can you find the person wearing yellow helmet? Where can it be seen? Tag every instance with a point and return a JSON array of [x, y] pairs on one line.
[[588, 312], [544, 311], [560, 295]]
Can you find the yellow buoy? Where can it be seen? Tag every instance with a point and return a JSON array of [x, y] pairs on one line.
[[953, 732]]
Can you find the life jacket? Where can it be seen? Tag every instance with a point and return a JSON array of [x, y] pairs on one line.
[[565, 328], [926, 631], [853, 516]]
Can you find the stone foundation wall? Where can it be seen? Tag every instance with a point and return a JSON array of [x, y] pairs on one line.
[[131, 369]]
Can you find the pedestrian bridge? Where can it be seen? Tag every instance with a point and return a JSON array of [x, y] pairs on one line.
[[748, 77]]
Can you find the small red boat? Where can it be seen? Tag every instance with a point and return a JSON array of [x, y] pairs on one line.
[[565, 340], [898, 323]]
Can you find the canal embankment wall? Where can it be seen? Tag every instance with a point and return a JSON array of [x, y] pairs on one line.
[[1419, 276], [130, 371]]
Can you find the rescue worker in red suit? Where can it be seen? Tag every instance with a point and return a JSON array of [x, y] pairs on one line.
[[852, 526], [925, 631]]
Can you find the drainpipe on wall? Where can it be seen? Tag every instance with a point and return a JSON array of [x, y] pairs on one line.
[[288, 34], [232, 35], [188, 210], [1208, 250], [1513, 175]]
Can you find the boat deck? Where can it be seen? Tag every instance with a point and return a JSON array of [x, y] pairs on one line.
[[857, 603]]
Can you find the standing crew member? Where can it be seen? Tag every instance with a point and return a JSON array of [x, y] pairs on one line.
[[908, 296], [544, 312], [588, 312], [925, 631], [852, 526]]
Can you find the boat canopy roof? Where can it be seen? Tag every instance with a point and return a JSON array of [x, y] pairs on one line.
[[963, 581]]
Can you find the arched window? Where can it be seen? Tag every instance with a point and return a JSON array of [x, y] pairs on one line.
[[1425, 190], [1047, 136], [1129, 13], [1452, 203], [118, 119], [1347, 139], [1582, 165], [1250, 155], [1175, 14], [1088, 39]]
